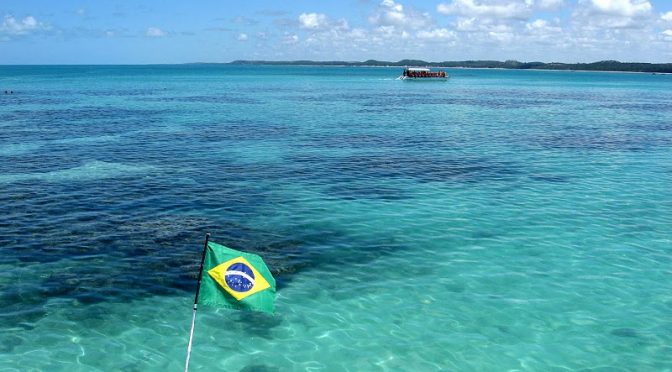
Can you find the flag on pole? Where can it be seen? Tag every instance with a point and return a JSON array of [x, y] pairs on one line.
[[236, 280]]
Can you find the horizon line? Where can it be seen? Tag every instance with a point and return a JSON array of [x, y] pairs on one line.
[[333, 61]]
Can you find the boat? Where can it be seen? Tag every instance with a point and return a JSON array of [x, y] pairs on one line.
[[423, 73]]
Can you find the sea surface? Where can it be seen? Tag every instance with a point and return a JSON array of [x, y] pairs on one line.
[[502, 220]]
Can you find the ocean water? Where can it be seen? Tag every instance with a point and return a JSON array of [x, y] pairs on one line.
[[502, 220]]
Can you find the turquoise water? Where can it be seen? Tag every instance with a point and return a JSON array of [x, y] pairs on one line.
[[503, 220]]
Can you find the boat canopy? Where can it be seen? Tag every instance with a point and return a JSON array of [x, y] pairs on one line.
[[417, 69]]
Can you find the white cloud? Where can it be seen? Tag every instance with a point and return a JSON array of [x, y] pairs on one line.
[[481, 29], [358, 34], [484, 8], [437, 34], [81, 12], [666, 16], [621, 8], [290, 39], [482, 25], [542, 25], [612, 14], [538, 24], [502, 37], [467, 24], [242, 37], [155, 32], [543, 31], [549, 4], [244, 20], [317, 22], [667, 35], [13, 26], [312, 20], [390, 13], [388, 31]]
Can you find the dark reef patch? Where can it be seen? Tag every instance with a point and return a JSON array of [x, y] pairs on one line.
[[83, 243], [259, 368], [126, 92], [224, 99], [639, 106], [626, 332], [551, 178], [79, 241], [65, 115], [596, 141], [357, 191], [89, 121], [440, 168]]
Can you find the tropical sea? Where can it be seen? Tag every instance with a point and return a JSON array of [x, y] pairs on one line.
[[502, 220]]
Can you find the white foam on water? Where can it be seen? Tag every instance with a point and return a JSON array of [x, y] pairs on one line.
[[253, 152], [89, 171], [14, 149], [86, 140]]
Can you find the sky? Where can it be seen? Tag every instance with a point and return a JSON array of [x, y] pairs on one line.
[[171, 31]]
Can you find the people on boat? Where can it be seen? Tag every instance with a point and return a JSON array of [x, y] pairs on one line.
[[424, 73]]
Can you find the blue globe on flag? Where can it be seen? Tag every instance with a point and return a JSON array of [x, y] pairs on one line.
[[239, 277]]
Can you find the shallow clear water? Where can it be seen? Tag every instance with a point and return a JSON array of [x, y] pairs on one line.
[[500, 220]]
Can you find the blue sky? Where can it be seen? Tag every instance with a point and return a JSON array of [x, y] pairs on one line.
[[151, 31]]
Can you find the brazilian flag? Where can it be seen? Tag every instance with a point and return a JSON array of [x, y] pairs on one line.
[[236, 280]]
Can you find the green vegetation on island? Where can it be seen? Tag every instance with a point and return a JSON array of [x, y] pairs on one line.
[[516, 65]]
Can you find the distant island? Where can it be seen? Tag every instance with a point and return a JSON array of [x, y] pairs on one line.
[[515, 65]]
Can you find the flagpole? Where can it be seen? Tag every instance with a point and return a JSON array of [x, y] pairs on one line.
[[198, 289]]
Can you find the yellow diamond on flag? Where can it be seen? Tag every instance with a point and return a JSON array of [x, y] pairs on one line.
[[238, 277]]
